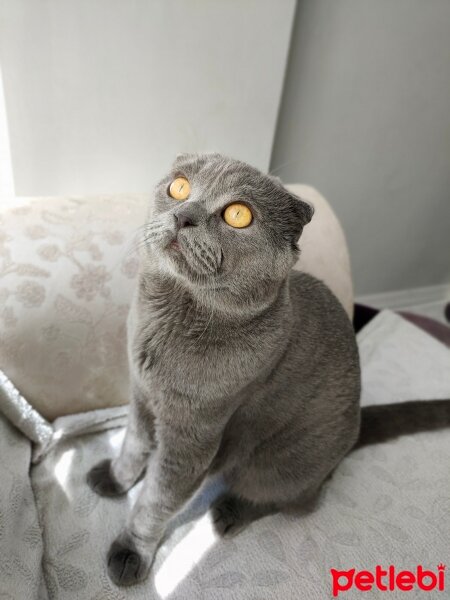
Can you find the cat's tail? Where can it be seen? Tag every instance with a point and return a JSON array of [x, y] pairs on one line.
[[383, 422]]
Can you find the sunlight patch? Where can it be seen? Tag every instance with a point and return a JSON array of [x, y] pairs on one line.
[[186, 554], [116, 438], [62, 468]]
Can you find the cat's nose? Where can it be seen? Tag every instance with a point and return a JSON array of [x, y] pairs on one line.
[[188, 216], [183, 221]]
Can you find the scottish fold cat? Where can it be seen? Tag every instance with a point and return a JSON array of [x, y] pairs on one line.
[[239, 365]]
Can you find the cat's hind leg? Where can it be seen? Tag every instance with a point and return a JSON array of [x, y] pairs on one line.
[[231, 514]]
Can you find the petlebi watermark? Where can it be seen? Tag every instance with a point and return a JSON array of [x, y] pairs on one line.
[[388, 579]]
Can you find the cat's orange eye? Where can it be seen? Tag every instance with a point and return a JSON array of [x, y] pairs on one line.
[[238, 215], [180, 188]]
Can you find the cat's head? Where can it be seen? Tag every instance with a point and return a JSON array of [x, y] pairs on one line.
[[218, 222]]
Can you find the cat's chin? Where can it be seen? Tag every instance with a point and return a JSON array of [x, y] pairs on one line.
[[169, 264], [174, 264], [173, 255]]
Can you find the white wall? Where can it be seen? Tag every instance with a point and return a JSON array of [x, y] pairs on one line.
[[6, 174], [366, 118], [102, 94]]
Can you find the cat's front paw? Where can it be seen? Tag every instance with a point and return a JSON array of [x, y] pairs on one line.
[[126, 564], [102, 481]]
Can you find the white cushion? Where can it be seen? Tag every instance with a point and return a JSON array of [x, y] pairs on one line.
[[324, 251]]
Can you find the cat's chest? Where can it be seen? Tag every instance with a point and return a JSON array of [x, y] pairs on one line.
[[190, 352], [172, 335]]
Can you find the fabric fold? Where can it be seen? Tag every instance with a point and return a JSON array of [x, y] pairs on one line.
[[24, 417], [45, 435]]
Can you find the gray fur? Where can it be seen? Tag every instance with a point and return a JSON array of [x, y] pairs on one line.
[[239, 364]]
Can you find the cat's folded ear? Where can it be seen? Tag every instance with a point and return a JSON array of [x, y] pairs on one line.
[[305, 210], [303, 213]]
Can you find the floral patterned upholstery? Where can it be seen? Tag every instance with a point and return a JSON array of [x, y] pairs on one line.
[[67, 270]]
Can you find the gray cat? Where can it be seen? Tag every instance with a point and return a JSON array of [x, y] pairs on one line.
[[238, 364]]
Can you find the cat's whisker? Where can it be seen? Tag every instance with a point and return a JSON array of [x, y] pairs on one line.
[[135, 246], [288, 163], [155, 225], [206, 254]]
